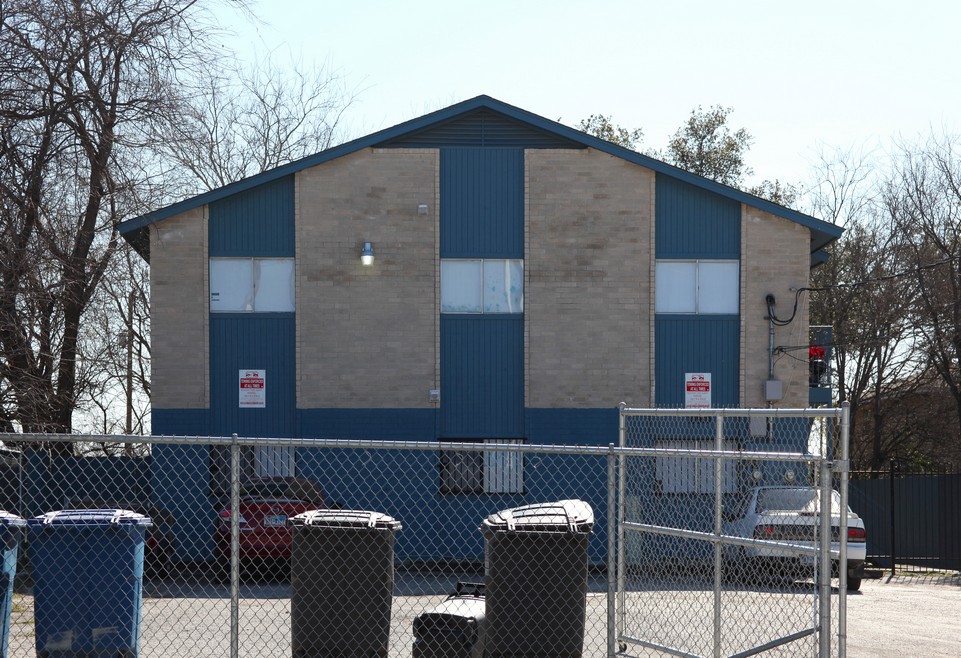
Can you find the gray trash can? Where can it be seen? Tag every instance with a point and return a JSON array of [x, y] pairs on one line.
[[11, 532], [537, 580], [88, 582], [457, 628], [342, 580]]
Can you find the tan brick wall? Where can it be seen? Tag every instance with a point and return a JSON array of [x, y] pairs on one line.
[[367, 336], [775, 258], [179, 312], [588, 298]]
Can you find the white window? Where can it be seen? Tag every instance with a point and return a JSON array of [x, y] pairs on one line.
[[697, 286], [482, 286], [480, 472], [693, 475], [252, 285]]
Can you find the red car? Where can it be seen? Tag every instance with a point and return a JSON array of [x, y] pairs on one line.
[[265, 505]]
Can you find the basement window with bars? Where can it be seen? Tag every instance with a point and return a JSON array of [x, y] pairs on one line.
[[693, 475], [255, 461], [481, 471]]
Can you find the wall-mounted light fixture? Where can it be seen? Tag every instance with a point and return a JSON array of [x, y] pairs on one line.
[[367, 255], [422, 209]]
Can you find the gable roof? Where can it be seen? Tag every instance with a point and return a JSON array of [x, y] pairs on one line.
[[480, 121]]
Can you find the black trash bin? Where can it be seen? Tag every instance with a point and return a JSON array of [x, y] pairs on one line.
[[342, 579], [11, 533], [536, 580], [457, 628], [88, 582]]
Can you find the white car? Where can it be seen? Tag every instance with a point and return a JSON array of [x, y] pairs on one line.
[[789, 515]]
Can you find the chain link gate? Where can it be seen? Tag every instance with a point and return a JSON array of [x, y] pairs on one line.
[[721, 546]]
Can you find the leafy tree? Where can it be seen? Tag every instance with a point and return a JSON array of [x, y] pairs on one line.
[[706, 146], [784, 194], [604, 127]]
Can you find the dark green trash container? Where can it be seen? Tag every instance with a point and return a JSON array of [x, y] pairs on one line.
[[342, 581], [457, 628], [537, 580], [11, 533]]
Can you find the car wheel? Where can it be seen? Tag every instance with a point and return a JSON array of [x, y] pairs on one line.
[[854, 584]]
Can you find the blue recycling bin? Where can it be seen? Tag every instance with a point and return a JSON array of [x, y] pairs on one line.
[[11, 530], [88, 579]]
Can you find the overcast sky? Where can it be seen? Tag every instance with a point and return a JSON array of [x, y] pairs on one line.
[[801, 77]]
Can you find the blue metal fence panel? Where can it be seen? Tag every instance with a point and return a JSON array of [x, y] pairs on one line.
[[256, 342], [482, 203], [482, 376], [256, 222], [694, 223], [924, 520], [701, 343]]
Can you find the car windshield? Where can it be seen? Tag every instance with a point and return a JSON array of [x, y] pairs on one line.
[[294, 489], [801, 499]]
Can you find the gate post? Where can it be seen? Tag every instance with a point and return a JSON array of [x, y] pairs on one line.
[[843, 557], [718, 520], [622, 503], [824, 567], [234, 547], [612, 572]]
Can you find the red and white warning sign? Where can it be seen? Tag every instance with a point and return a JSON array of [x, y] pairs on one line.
[[253, 389], [697, 390]]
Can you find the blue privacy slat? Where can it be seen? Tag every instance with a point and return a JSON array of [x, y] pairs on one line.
[[482, 203], [694, 223], [697, 344], [256, 222], [482, 376], [252, 342]]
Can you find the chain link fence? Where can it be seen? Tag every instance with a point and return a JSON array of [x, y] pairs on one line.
[[313, 548], [310, 547], [722, 508]]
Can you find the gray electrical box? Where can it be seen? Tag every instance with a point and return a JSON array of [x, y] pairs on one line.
[[773, 390]]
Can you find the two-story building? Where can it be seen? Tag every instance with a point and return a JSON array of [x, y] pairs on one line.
[[480, 274]]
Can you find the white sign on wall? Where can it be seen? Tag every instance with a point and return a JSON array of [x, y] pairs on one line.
[[253, 389], [697, 390]]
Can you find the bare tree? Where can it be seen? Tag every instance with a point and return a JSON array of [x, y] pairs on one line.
[[240, 120], [860, 293], [923, 197], [81, 81]]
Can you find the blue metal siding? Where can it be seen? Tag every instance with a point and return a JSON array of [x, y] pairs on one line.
[[255, 342], [482, 128], [703, 343], [256, 222], [372, 424], [694, 223], [179, 422], [482, 376], [591, 427], [482, 203]]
